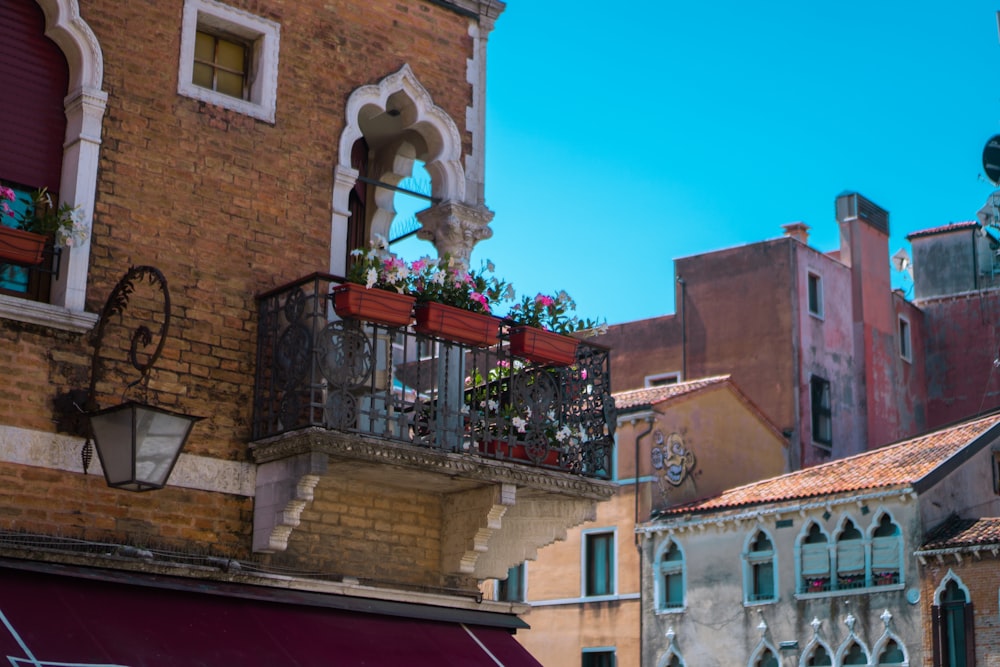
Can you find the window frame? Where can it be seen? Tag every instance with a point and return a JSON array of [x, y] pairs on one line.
[[678, 568], [752, 559], [803, 585], [662, 379], [503, 591], [603, 651], [814, 295], [611, 577], [261, 37], [941, 611], [905, 336], [821, 413]]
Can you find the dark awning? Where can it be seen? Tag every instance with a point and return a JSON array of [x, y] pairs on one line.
[[54, 619]]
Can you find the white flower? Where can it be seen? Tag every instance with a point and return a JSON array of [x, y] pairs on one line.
[[563, 434], [492, 405], [519, 424], [370, 278]]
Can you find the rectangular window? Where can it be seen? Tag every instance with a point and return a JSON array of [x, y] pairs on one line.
[[904, 339], [662, 379], [822, 411], [229, 58], [599, 564], [815, 295], [762, 573], [598, 658], [220, 64], [511, 589]]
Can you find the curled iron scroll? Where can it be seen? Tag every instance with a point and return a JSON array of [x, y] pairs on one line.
[[142, 336]]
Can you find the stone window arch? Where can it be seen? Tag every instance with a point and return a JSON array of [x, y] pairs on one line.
[[671, 577], [84, 107], [850, 555], [953, 624], [853, 653], [886, 551], [760, 568], [400, 124], [813, 547]]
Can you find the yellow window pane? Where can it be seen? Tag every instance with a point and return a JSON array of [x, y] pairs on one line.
[[202, 75], [230, 84], [230, 56], [204, 47]]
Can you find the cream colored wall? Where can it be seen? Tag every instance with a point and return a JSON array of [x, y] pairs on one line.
[[730, 446]]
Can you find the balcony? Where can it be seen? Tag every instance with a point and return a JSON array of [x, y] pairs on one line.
[[418, 412]]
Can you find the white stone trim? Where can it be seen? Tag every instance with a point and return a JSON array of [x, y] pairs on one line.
[[84, 106], [62, 452], [46, 315], [264, 36]]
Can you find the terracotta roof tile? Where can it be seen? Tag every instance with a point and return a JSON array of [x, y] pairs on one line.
[[897, 465], [653, 395], [951, 227], [956, 533]]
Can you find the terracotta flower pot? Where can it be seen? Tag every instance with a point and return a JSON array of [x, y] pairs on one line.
[[501, 449], [20, 247], [373, 305], [461, 326], [541, 346]]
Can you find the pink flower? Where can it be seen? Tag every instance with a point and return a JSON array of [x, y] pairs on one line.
[[545, 301], [479, 298], [419, 265]]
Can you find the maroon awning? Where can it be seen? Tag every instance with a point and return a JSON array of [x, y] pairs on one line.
[[53, 619]]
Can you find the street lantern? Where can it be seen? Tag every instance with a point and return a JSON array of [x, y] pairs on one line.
[[139, 444]]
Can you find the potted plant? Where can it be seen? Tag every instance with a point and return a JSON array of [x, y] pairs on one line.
[[540, 326], [376, 287], [455, 303], [40, 221]]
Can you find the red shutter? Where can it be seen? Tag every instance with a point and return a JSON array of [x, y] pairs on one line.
[[937, 627], [35, 81], [970, 636]]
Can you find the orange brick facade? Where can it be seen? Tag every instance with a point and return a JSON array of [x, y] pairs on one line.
[[226, 207]]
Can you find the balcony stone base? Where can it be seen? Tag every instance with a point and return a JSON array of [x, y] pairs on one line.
[[477, 516]]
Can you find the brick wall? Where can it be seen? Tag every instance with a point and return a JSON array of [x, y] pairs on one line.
[[226, 207]]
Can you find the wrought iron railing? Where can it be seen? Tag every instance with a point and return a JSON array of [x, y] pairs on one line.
[[315, 369]]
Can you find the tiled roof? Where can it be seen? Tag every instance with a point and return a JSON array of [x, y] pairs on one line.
[[957, 533], [898, 465], [951, 227], [652, 395]]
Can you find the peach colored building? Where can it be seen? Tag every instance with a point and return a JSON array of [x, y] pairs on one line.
[[690, 440]]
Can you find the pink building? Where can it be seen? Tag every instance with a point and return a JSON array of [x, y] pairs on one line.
[[819, 340]]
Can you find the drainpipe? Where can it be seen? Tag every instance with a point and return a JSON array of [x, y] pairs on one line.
[[684, 372], [638, 544]]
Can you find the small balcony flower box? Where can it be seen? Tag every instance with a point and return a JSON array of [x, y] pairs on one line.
[[541, 346], [373, 305], [456, 324], [21, 247]]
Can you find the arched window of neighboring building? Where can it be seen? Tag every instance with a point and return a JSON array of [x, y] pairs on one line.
[[814, 554], [850, 557], [953, 625], [675, 661], [759, 569], [855, 655], [671, 566], [887, 549], [819, 656], [767, 659], [892, 654]]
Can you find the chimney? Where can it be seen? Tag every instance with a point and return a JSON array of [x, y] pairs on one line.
[[798, 231]]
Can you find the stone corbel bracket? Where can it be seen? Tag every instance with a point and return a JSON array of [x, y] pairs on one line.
[[284, 488]]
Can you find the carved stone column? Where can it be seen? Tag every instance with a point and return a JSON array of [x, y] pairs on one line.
[[454, 228]]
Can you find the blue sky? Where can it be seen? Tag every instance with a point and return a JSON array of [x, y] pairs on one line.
[[620, 138]]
